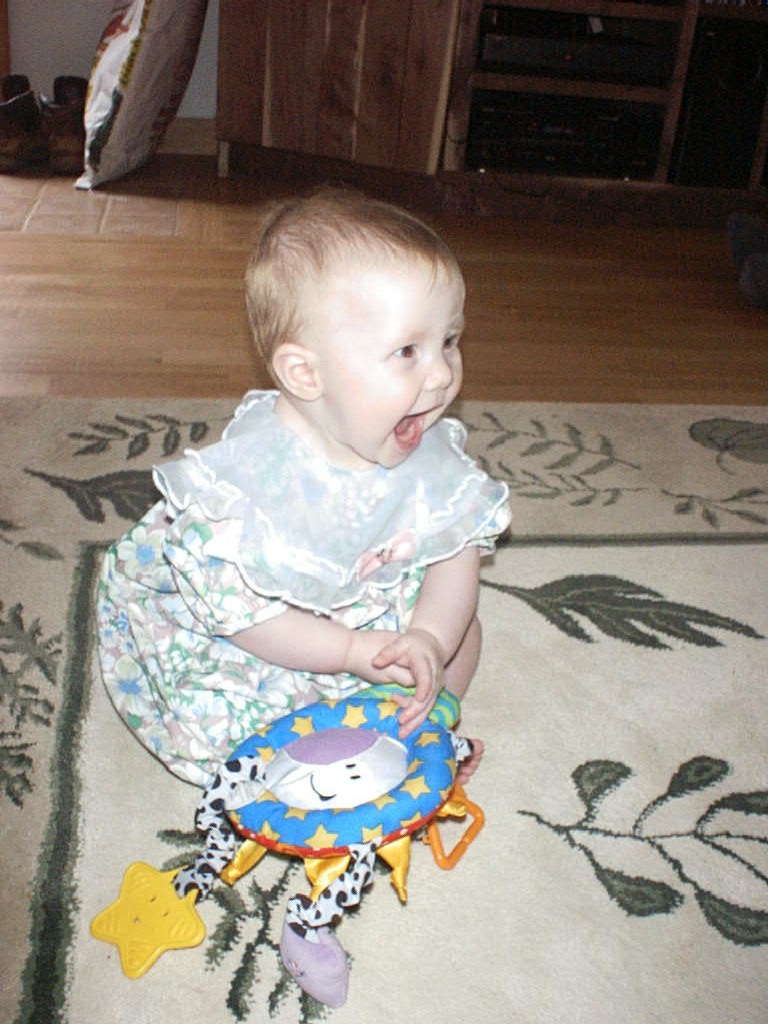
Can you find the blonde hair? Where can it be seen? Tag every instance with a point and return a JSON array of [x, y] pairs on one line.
[[305, 235]]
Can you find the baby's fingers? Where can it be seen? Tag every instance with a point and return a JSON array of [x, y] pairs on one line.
[[413, 714], [398, 675]]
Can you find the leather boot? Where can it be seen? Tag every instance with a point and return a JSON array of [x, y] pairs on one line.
[[21, 138], [63, 125]]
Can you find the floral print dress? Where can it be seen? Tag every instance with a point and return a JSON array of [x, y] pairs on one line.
[[246, 528]]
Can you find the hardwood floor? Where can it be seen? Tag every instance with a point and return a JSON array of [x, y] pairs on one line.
[[136, 290]]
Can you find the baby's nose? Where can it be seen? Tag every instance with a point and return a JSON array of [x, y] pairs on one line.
[[440, 375]]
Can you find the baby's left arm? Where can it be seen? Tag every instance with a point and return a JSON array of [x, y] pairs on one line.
[[444, 610]]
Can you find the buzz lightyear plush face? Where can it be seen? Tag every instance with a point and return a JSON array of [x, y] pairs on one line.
[[336, 769]]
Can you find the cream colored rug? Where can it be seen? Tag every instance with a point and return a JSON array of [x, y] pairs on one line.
[[623, 871]]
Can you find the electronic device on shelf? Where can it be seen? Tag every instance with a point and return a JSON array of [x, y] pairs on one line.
[[569, 135], [576, 46]]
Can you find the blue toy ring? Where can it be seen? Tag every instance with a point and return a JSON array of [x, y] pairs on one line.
[[427, 778]]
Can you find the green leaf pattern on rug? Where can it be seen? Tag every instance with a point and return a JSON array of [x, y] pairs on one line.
[[561, 461], [46, 552], [746, 504], [250, 915], [595, 780], [622, 610], [739, 439], [136, 435], [28, 668], [741, 850], [568, 455], [131, 493], [640, 897]]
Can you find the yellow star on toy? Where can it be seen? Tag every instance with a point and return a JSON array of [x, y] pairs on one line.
[[148, 918], [387, 708], [416, 786], [303, 726], [265, 753], [406, 822], [266, 830], [370, 835], [382, 801], [426, 738], [322, 839], [354, 718]]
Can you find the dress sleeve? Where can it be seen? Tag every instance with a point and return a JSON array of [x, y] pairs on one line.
[[492, 529], [214, 589], [488, 514]]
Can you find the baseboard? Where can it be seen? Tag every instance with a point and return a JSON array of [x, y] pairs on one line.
[[193, 136], [470, 193]]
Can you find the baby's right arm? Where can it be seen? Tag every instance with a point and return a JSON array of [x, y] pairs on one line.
[[305, 642]]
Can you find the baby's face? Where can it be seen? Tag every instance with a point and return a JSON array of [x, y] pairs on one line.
[[385, 336]]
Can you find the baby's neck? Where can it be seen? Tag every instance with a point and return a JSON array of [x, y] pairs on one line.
[[289, 412], [291, 418]]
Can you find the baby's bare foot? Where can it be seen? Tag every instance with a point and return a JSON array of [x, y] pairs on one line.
[[468, 767]]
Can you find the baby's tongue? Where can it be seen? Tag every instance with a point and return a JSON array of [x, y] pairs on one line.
[[408, 431]]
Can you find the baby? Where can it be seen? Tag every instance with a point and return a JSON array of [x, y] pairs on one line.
[[331, 540]]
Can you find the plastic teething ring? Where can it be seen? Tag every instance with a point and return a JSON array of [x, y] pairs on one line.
[[457, 806]]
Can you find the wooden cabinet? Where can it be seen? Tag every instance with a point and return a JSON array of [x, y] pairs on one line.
[[360, 80], [393, 83]]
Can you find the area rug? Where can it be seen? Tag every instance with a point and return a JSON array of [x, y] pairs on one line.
[[622, 874]]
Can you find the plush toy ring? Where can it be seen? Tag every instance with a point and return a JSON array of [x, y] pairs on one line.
[[336, 774]]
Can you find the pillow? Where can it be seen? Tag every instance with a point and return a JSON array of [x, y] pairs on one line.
[[140, 72]]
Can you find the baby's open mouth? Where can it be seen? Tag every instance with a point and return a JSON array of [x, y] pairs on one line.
[[409, 430]]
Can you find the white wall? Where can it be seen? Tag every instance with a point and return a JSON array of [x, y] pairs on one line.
[[50, 38]]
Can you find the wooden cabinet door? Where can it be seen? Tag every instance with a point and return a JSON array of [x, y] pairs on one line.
[[361, 80]]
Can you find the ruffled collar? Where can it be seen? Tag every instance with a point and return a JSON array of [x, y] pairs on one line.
[[317, 535]]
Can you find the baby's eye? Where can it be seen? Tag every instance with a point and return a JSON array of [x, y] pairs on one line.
[[406, 352]]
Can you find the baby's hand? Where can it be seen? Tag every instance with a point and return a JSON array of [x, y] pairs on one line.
[[417, 652], [365, 645]]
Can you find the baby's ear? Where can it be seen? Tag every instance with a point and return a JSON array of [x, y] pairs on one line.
[[294, 369]]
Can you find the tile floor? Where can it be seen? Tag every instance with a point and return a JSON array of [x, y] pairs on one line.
[[170, 197], [52, 205]]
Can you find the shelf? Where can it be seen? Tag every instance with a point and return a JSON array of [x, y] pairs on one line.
[[502, 81], [731, 12], [648, 12], [664, 93]]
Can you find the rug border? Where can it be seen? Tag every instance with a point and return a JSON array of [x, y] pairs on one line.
[[54, 900]]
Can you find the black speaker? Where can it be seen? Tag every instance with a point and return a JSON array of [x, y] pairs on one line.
[[722, 104]]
